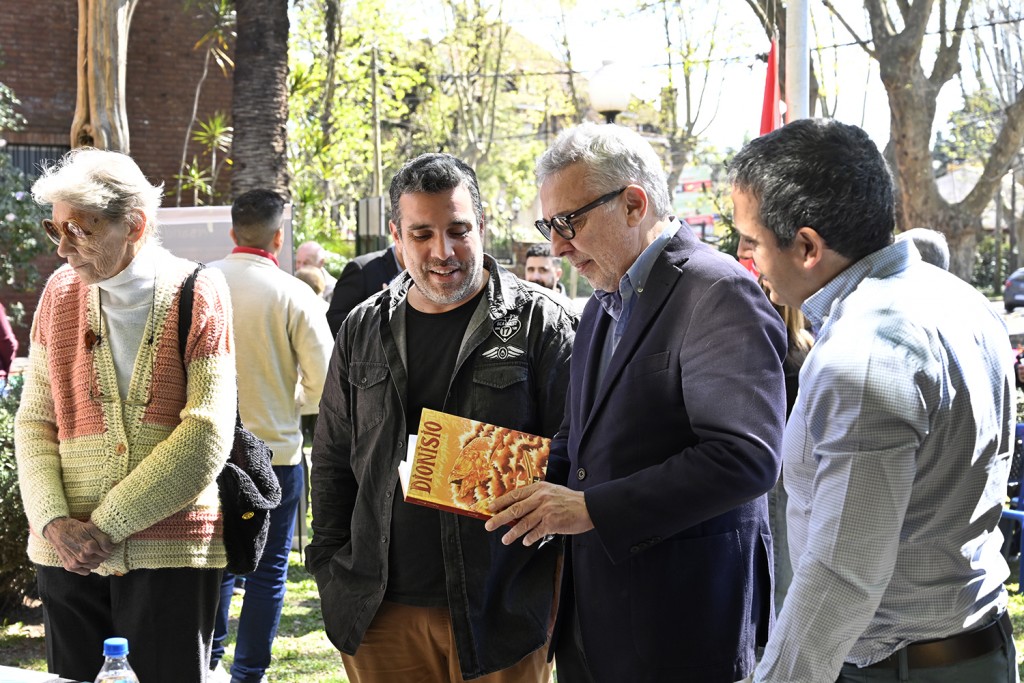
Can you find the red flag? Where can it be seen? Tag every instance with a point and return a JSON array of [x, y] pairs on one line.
[[770, 119]]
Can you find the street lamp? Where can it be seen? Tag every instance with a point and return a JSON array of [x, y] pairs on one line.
[[610, 90]]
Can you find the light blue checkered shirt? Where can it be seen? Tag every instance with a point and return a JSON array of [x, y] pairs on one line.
[[896, 459]]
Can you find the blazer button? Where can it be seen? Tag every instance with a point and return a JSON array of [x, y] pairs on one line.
[[581, 474]]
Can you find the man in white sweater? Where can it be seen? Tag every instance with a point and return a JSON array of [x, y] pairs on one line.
[[282, 347]]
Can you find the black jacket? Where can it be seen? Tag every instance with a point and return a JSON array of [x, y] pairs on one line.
[[500, 597]]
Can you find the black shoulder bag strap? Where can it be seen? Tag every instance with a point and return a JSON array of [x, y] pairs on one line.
[[248, 487], [185, 309]]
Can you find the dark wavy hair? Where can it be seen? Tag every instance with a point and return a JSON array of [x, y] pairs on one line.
[[432, 174], [822, 174]]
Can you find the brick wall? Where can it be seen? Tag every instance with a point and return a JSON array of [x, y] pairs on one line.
[[38, 46], [38, 43]]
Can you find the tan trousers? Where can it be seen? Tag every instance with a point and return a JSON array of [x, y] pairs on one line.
[[406, 644]]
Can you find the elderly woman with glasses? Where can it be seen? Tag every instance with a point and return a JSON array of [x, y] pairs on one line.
[[119, 439]]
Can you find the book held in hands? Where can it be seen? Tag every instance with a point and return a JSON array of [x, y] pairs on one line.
[[461, 465]]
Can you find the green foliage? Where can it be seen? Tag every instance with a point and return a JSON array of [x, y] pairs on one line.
[[217, 39], [330, 140], [470, 94], [200, 176], [972, 131], [21, 236], [216, 45], [983, 276], [17, 575], [9, 118], [492, 100]]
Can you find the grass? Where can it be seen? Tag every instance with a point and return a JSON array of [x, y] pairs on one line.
[[302, 653]]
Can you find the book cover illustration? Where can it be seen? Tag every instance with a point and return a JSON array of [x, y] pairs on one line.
[[461, 465]]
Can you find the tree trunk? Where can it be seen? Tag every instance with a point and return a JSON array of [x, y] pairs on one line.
[[259, 107], [101, 119], [912, 102]]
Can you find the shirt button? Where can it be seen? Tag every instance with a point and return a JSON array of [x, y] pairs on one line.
[[383, 586], [383, 539], [120, 448], [400, 444], [387, 494], [581, 474]]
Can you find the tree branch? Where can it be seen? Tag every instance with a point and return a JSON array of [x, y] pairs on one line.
[[864, 44], [1011, 135], [947, 58]]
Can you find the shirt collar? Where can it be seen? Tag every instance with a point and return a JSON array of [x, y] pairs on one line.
[[257, 252], [878, 264], [632, 283]]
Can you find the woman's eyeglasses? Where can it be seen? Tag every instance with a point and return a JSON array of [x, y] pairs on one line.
[[562, 223], [70, 229]]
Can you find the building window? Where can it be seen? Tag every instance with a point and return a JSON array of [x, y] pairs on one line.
[[31, 158]]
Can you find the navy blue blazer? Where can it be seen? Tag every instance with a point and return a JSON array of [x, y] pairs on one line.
[[361, 278], [675, 451]]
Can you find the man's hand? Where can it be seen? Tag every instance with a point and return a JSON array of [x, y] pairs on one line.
[[541, 509], [81, 546]]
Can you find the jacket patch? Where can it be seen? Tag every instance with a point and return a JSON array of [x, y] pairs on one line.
[[507, 327], [503, 352]]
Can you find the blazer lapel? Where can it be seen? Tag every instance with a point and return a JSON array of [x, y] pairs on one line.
[[664, 276], [595, 341]]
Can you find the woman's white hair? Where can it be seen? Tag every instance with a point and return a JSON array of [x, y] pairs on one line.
[[613, 156], [100, 181]]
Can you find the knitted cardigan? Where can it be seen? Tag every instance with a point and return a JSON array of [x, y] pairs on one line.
[[143, 469]]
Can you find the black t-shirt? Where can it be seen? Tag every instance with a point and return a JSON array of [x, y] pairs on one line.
[[415, 561]]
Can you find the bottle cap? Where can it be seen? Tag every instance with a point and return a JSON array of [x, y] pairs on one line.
[[115, 647]]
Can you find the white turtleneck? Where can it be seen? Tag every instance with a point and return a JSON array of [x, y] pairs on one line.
[[126, 301]]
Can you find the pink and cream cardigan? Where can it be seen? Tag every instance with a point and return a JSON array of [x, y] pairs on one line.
[[143, 470]]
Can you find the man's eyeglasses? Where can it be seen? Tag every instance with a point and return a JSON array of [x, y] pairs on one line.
[[71, 229], [562, 223]]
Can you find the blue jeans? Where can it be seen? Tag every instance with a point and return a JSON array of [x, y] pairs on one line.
[[264, 589]]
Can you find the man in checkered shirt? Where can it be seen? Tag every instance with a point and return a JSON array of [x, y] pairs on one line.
[[897, 450]]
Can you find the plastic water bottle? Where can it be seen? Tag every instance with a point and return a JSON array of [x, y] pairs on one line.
[[115, 667]]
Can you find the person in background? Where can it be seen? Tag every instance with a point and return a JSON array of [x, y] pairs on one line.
[[314, 278], [361, 278], [931, 244], [8, 346], [897, 450], [410, 593], [311, 254], [671, 432], [119, 439], [544, 269], [798, 343], [282, 343]]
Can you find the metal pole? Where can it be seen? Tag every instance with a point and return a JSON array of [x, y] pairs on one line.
[[997, 270], [798, 61], [378, 182]]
